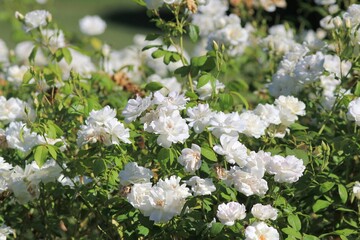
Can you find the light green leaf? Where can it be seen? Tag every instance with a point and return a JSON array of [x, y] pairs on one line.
[[209, 154], [40, 155]]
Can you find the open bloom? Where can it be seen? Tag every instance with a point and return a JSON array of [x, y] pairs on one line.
[[261, 231], [264, 212], [37, 18], [228, 213], [132, 174], [190, 158]]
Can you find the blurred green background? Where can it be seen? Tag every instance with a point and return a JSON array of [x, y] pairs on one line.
[[124, 18]]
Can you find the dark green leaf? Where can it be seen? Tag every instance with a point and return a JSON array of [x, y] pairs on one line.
[[216, 228], [154, 86]]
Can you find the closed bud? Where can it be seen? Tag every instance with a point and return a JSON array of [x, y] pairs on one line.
[[19, 16], [347, 23], [49, 18], [337, 22], [215, 46]]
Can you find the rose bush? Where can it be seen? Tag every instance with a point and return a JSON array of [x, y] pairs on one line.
[[252, 135]]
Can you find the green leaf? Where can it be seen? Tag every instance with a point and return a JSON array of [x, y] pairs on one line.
[[320, 204], [143, 230], [292, 232], [158, 53], [216, 228], [346, 232], [99, 166], [298, 127], [343, 193], [209, 154], [67, 55], [310, 237], [244, 101], [198, 61], [33, 55], [191, 95], [182, 71], [52, 151], [294, 222], [153, 86], [194, 32], [140, 2], [226, 100], [40, 155], [204, 79], [27, 76], [152, 36], [326, 186], [357, 89]]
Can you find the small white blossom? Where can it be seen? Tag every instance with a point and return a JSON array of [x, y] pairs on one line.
[[288, 169], [92, 25], [232, 149], [353, 113], [199, 117], [201, 186], [190, 158], [264, 212], [37, 18], [228, 213], [289, 107], [356, 189], [132, 174], [259, 230], [135, 107]]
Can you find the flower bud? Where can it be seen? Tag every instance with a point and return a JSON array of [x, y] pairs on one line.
[[347, 23], [19, 16], [337, 22]]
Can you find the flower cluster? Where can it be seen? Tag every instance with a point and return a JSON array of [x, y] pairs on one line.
[[102, 126]]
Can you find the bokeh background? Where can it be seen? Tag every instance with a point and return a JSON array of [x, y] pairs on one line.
[[124, 18]]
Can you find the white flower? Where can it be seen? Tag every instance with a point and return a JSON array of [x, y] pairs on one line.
[[132, 174], [288, 169], [138, 197], [256, 163], [334, 65], [14, 109], [229, 124], [310, 68], [353, 14], [102, 126], [268, 113], [228, 213], [19, 137], [154, 4], [259, 230], [356, 189], [190, 158], [199, 117], [160, 202], [353, 113], [54, 39], [207, 90], [80, 64], [135, 107], [234, 151], [23, 51], [264, 212], [15, 74], [248, 183], [35, 19], [201, 186], [171, 128], [117, 132], [92, 25], [289, 108], [174, 100], [254, 126], [5, 231]]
